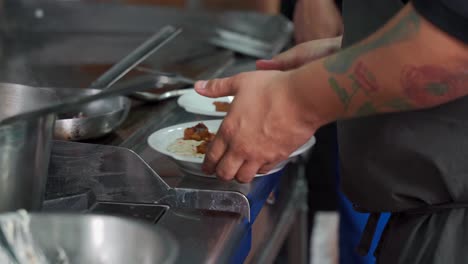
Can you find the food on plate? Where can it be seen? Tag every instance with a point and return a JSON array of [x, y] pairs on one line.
[[199, 133], [186, 148], [194, 143], [222, 106], [203, 147]]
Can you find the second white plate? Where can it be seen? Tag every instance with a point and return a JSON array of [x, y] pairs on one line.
[[198, 104]]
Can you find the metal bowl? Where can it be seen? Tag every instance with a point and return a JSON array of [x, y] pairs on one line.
[[92, 120], [99, 239]]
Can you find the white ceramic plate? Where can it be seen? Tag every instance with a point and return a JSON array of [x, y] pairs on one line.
[[161, 139], [198, 104]]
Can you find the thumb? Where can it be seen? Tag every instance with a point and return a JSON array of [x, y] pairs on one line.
[[285, 61], [216, 87]]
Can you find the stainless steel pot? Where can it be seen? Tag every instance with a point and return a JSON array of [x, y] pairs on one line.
[[24, 147]]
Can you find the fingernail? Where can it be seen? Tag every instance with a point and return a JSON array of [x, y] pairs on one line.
[[267, 64], [201, 84]]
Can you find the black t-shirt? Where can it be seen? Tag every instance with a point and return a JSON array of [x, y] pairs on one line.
[[399, 161], [399, 154], [449, 15]]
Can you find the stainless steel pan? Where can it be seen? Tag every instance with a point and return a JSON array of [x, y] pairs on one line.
[[92, 120], [71, 103], [104, 116]]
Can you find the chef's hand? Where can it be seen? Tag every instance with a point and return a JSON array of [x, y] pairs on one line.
[[301, 54], [263, 127]]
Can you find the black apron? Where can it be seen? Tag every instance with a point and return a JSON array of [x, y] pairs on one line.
[[413, 164]]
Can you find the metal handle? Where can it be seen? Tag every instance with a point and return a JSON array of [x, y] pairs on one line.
[[68, 104], [135, 57]]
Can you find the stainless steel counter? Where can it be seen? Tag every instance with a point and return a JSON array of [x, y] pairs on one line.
[[208, 218], [206, 224]]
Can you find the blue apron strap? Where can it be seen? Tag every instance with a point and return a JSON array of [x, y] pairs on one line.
[[371, 225]]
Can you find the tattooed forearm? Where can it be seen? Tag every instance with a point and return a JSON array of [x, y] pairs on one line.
[[432, 84], [341, 62], [340, 91], [373, 76], [420, 86], [396, 104], [364, 79]]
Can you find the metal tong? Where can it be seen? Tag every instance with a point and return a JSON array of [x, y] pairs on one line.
[[180, 84], [135, 57]]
